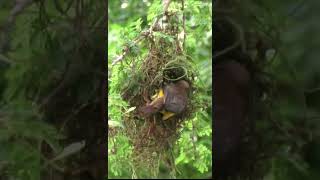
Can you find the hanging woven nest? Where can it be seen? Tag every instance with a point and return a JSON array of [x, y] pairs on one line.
[[165, 64]]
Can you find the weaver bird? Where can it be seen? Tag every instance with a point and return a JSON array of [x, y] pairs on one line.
[[231, 93], [170, 100]]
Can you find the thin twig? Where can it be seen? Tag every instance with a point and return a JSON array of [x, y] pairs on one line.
[[20, 5], [239, 41], [313, 90], [141, 35], [166, 4], [297, 8], [183, 25], [6, 60], [194, 140], [127, 49]]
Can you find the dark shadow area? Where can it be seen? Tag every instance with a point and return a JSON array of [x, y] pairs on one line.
[[266, 87], [53, 89]]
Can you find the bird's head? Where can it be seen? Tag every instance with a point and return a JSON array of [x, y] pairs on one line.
[[183, 84]]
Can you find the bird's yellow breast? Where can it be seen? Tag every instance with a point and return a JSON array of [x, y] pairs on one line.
[[166, 114]]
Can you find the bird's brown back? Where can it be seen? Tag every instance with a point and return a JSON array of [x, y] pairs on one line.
[[231, 83]]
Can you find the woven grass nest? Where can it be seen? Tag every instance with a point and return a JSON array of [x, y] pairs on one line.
[[165, 62]]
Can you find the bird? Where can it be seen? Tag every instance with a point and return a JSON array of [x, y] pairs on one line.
[[231, 96], [170, 100]]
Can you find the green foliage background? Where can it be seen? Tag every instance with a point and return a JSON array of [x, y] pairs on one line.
[[193, 150], [296, 108], [289, 132], [43, 40]]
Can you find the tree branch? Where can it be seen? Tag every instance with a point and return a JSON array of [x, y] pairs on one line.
[[20, 5], [143, 34]]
